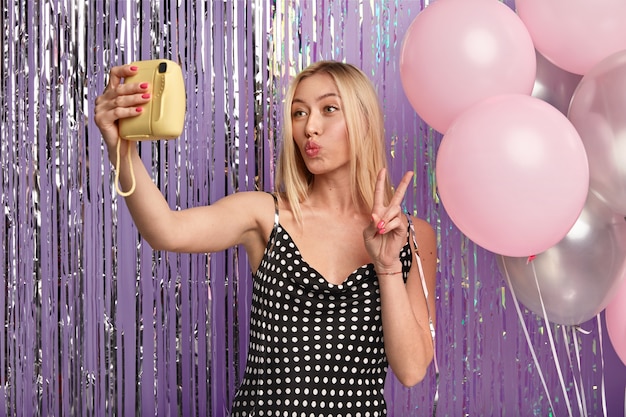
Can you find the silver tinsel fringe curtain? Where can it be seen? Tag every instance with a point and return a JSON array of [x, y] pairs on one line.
[[96, 323]]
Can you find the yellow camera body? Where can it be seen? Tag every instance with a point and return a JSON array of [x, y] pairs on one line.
[[163, 117]]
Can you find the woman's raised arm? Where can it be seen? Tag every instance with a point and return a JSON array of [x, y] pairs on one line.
[[236, 219]]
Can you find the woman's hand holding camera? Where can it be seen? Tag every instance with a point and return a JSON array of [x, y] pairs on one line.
[[119, 101]]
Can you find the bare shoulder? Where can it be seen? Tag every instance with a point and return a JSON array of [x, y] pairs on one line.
[[257, 206], [425, 235]]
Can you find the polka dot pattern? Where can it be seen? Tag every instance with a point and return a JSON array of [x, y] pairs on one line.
[[315, 349]]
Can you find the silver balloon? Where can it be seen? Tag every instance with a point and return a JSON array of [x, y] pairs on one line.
[[577, 276], [597, 112], [554, 85]]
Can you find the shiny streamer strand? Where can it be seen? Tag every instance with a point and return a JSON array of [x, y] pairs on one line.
[[580, 393], [579, 330], [575, 371], [602, 385]]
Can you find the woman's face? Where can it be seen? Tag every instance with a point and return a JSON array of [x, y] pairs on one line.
[[319, 125]]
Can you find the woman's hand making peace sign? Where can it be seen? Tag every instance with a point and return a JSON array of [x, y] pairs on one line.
[[387, 232]]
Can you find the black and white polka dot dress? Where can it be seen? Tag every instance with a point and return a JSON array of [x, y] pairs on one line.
[[315, 349]]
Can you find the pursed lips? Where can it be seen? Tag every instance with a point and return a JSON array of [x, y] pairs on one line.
[[311, 149]]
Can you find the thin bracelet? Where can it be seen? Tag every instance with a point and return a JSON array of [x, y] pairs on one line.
[[390, 273]]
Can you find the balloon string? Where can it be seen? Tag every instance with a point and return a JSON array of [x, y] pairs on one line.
[[581, 330], [580, 393], [580, 372], [552, 346], [603, 389], [528, 341]]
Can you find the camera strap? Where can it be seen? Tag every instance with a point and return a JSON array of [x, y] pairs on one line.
[[117, 170]]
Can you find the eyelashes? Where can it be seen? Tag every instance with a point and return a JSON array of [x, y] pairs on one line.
[[326, 110]]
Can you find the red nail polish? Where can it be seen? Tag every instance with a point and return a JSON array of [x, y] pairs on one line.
[[139, 109], [134, 68], [380, 224], [143, 85], [146, 95]]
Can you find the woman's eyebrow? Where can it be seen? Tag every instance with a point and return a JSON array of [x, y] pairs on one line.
[[319, 98]]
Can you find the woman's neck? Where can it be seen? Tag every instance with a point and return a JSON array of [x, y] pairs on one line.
[[333, 196]]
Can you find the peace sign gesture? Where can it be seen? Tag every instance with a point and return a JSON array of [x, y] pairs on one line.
[[386, 234]]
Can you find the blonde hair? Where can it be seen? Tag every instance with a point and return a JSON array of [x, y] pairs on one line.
[[366, 137]]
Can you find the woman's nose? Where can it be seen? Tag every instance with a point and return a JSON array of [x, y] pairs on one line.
[[313, 125]]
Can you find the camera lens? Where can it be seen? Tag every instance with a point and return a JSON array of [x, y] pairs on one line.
[[162, 67]]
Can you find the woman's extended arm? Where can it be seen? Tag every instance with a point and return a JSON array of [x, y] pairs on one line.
[[408, 340], [226, 223]]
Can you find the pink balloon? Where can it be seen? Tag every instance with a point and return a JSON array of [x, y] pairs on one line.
[[615, 316], [575, 34], [512, 174], [458, 52]]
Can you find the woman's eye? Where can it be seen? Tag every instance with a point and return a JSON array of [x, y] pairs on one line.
[[298, 113], [331, 109]]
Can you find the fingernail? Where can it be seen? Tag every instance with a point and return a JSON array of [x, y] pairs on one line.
[[139, 109], [146, 95], [381, 230], [143, 85], [380, 224], [133, 68]]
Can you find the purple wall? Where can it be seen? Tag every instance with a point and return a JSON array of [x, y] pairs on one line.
[[96, 323]]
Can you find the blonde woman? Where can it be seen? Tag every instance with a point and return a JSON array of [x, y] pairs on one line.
[[337, 294]]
